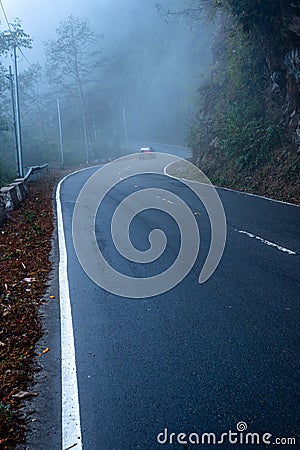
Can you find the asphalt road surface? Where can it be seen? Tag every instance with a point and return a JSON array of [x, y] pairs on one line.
[[162, 371], [177, 150]]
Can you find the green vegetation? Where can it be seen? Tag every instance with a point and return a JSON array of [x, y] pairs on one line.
[[73, 74], [6, 173], [244, 133], [232, 115], [15, 36], [7, 166]]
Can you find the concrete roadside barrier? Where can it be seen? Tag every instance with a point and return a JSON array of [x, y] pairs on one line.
[[15, 193], [21, 188], [9, 197]]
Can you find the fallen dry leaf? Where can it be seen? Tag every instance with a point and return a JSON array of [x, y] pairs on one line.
[[24, 395], [25, 241], [29, 280], [46, 350]]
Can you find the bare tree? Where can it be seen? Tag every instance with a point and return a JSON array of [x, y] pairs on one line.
[[72, 57], [72, 61]]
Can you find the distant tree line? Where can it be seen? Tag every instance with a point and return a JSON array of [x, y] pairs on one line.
[[72, 74], [149, 73], [245, 123]]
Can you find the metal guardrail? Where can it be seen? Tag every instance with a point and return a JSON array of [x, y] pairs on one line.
[[34, 170]]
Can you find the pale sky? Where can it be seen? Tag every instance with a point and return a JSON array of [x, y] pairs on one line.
[[151, 62], [41, 17]]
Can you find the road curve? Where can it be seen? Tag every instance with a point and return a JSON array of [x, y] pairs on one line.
[[199, 358]]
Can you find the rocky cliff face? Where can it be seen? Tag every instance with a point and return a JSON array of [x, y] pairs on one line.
[[280, 35], [275, 25], [246, 132], [291, 62]]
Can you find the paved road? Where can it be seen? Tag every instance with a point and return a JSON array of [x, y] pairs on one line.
[[178, 150], [200, 357]]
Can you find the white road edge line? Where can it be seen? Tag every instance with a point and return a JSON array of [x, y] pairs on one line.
[[264, 241], [230, 190], [71, 427]]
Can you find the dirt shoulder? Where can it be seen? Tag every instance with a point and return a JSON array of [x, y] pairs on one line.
[[278, 180], [25, 245]]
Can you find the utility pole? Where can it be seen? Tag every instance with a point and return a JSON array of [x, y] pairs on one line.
[[18, 119], [60, 132], [14, 116], [125, 128], [85, 138], [95, 129]]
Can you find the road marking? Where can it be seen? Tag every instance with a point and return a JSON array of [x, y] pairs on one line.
[[228, 189], [71, 428], [264, 241], [165, 199]]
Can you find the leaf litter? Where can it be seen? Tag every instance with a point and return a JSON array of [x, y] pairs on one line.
[[25, 245]]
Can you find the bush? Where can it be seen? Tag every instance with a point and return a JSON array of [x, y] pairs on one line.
[[232, 116]]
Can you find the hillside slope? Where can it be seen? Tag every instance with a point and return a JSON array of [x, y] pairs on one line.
[[246, 131]]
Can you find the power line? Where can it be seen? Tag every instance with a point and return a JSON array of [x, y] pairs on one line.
[[8, 24], [19, 48], [4, 13], [17, 105], [36, 95], [24, 56]]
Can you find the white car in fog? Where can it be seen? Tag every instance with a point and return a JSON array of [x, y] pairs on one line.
[[146, 153]]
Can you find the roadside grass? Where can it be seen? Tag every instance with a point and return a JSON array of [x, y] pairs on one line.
[[186, 170], [269, 180]]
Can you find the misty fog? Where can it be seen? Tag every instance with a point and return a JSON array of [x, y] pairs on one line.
[[153, 66]]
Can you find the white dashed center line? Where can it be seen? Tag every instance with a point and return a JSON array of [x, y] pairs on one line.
[[264, 241], [165, 199]]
